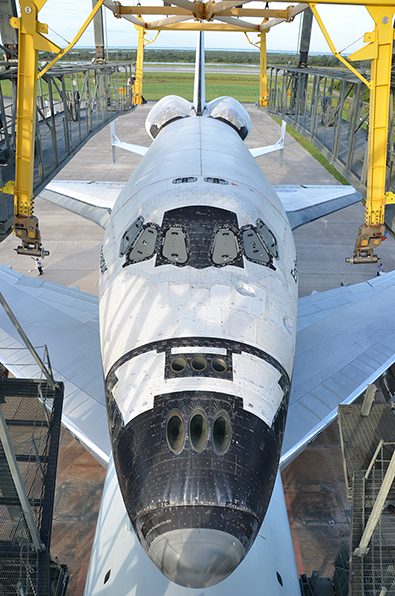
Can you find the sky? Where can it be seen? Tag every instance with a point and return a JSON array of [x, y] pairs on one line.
[[345, 24]]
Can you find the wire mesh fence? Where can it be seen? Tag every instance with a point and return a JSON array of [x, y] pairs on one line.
[[31, 410], [373, 574]]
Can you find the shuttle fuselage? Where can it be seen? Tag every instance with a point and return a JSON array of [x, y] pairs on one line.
[[198, 300]]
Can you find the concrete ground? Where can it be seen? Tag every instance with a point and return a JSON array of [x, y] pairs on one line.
[[314, 486]]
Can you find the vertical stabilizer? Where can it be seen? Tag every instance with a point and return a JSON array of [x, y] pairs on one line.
[[199, 95]]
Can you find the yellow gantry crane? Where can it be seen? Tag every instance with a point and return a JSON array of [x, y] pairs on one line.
[[223, 15], [31, 40], [379, 51]]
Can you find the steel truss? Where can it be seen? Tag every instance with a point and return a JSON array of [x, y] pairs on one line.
[[331, 109], [212, 16], [73, 103]]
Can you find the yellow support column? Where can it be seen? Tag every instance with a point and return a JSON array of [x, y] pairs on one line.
[[30, 41], [138, 84], [379, 51], [263, 91]]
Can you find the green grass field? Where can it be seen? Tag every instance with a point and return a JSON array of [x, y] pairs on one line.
[[244, 88]]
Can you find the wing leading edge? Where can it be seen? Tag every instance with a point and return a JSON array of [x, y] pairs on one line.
[[337, 355], [95, 200], [91, 200], [67, 321], [305, 203]]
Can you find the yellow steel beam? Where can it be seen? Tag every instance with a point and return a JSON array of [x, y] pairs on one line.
[[379, 51], [76, 38], [263, 87], [200, 12], [263, 90], [177, 10], [30, 41], [137, 99], [333, 49], [254, 12], [151, 10], [157, 25], [237, 23], [202, 27]]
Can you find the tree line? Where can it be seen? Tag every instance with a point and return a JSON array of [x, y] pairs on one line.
[[188, 56]]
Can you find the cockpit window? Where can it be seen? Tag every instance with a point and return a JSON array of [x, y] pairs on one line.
[[225, 247], [175, 246], [199, 236], [254, 248], [144, 246], [268, 238], [130, 235]]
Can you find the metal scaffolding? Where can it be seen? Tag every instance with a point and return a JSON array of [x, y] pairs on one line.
[[331, 109], [368, 450], [73, 103], [30, 419]]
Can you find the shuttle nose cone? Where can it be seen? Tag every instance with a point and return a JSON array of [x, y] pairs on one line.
[[196, 558]]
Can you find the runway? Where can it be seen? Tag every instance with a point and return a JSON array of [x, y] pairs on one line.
[[210, 69], [314, 485]]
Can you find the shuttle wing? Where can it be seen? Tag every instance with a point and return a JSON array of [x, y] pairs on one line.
[[345, 340], [305, 203], [67, 321], [92, 200]]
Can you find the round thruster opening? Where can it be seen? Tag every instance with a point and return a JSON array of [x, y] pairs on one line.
[[198, 363], [175, 432], [219, 365], [198, 430], [222, 432], [178, 364]]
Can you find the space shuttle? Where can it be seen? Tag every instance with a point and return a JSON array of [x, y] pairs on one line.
[[198, 298], [198, 269]]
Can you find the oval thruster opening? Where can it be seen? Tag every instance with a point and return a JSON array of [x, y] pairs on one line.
[[178, 364], [175, 432], [219, 365], [198, 363], [107, 576], [279, 578], [198, 430], [221, 432]]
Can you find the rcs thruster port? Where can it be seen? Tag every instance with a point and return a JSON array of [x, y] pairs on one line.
[[178, 364], [198, 363], [221, 432], [175, 432], [198, 430], [219, 365]]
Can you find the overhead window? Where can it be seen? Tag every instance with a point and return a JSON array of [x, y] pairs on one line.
[[130, 235], [211, 180], [268, 238], [186, 180], [144, 246], [225, 247], [254, 248], [175, 246]]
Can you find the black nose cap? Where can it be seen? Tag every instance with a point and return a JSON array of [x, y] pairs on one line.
[[196, 558]]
